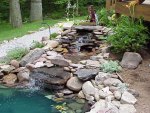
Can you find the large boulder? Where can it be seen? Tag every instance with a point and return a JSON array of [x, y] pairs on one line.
[[23, 75], [51, 78], [31, 56], [131, 60], [74, 84], [86, 74], [10, 79]]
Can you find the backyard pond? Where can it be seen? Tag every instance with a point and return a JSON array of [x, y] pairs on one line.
[[28, 101]]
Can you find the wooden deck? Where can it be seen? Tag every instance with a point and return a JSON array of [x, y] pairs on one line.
[[142, 10]]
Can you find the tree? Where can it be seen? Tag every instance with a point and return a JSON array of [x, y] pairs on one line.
[[15, 13], [36, 10]]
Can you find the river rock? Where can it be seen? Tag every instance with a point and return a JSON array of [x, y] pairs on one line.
[[50, 44], [127, 108], [92, 63], [39, 64], [74, 84], [128, 98], [131, 60], [15, 63], [112, 82], [31, 56], [10, 79], [23, 75], [52, 78], [117, 95], [66, 91], [102, 94], [97, 107], [88, 88], [60, 62], [86, 74], [81, 94], [7, 68]]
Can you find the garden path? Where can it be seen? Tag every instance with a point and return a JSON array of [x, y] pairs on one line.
[[25, 41]]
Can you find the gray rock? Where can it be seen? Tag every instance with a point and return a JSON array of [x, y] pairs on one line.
[[52, 78], [31, 56], [112, 82], [117, 95], [91, 63], [128, 98], [23, 75], [86, 74], [60, 62], [131, 60], [74, 84], [88, 88], [127, 108]]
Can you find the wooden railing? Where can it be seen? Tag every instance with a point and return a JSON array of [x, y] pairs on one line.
[[142, 10]]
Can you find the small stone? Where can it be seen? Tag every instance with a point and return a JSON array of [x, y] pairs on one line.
[[7, 68], [51, 44], [117, 95], [89, 98], [110, 98], [66, 68], [74, 84], [60, 62], [45, 38], [73, 70], [127, 108], [10, 79], [39, 64], [81, 94], [113, 88], [49, 64], [65, 50], [92, 63], [15, 63], [102, 94], [128, 98], [66, 91], [112, 82], [59, 95], [30, 66], [116, 103]]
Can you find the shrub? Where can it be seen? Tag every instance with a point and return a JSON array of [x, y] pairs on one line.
[[105, 17], [37, 44], [110, 66], [53, 35], [128, 36], [17, 53]]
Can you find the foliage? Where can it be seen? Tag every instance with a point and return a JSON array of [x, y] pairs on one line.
[[129, 35], [106, 17], [61, 108], [37, 44], [17, 53], [53, 35], [110, 66]]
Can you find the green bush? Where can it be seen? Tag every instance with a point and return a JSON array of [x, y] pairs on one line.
[[110, 67], [53, 35], [128, 35], [37, 44], [105, 17], [17, 53]]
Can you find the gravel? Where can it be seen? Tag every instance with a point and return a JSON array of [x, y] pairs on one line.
[[24, 41]]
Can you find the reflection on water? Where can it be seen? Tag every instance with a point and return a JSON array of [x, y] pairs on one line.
[[17, 101]]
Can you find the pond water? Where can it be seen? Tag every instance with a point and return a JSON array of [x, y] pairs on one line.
[[18, 101], [25, 101]]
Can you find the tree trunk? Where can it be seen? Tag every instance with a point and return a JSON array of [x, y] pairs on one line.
[[36, 10], [15, 13]]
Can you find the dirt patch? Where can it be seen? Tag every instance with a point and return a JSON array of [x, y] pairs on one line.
[[139, 79]]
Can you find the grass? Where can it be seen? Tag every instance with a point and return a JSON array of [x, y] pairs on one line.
[[8, 33]]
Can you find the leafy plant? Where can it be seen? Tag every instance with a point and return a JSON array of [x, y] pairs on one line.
[[106, 17], [53, 35], [17, 53], [37, 44], [128, 35], [110, 66]]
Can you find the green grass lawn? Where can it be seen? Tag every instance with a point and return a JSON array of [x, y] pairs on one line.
[[8, 33]]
